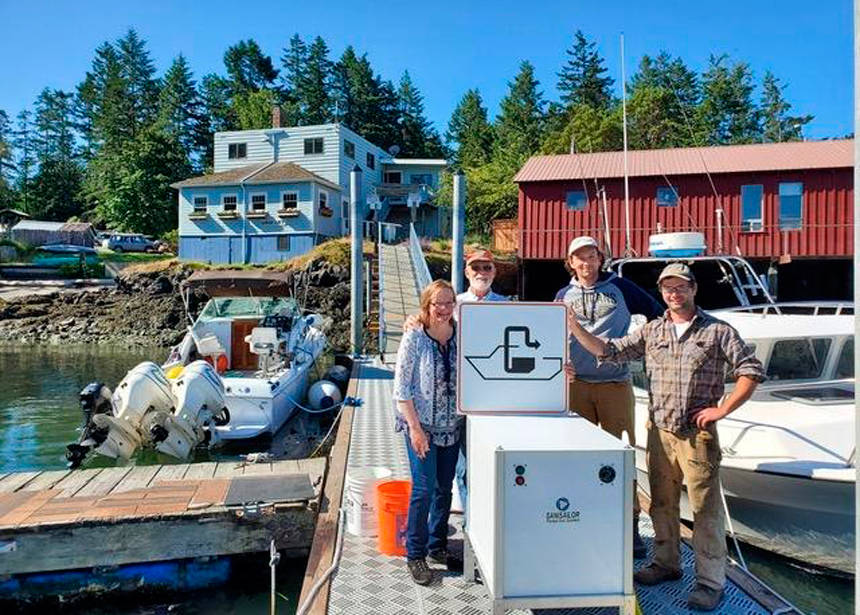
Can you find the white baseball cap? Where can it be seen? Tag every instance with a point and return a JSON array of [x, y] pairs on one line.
[[582, 242]]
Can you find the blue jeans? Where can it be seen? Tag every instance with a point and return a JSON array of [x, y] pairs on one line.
[[462, 465], [430, 501]]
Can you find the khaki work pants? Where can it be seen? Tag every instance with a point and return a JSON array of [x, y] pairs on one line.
[[610, 405], [695, 459]]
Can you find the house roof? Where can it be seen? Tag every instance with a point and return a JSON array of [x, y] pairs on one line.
[[44, 225], [692, 160], [424, 162], [255, 174]]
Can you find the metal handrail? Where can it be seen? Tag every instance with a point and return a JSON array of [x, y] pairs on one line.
[[419, 263]]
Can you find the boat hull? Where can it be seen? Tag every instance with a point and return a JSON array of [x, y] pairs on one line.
[[805, 519]]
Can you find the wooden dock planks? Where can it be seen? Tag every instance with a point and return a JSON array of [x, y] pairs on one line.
[[125, 515]]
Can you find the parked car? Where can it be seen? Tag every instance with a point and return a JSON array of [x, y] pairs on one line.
[[129, 242]]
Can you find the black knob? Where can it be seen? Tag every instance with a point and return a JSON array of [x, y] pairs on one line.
[[606, 474]]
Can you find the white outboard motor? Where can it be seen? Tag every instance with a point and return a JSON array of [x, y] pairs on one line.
[[144, 389], [200, 405]]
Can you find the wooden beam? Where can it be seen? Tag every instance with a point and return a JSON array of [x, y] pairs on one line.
[[325, 536]]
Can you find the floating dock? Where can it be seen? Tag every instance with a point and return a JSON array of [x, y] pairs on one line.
[[81, 521]]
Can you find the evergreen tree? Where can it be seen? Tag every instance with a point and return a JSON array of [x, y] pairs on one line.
[[55, 188], [583, 78], [469, 132], [314, 85], [254, 109], [292, 76], [248, 68], [777, 125], [418, 139], [365, 102], [519, 125], [100, 103], [133, 192], [585, 129], [25, 163], [141, 88], [218, 113], [180, 111], [7, 162], [727, 112]]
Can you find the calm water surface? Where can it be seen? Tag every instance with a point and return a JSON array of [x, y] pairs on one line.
[[39, 415]]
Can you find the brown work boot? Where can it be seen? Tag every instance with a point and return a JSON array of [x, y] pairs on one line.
[[639, 548], [704, 598], [654, 574]]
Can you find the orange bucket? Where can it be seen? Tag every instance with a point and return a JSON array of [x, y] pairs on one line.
[[392, 508]]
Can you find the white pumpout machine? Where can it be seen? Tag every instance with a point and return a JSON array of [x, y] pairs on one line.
[[550, 514]]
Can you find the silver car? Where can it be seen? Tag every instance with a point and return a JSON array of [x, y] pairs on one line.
[[129, 242]]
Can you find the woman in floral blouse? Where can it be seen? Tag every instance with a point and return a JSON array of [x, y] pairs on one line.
[[424, 390]]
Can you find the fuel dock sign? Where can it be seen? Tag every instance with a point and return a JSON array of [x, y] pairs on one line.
[[511, 358]]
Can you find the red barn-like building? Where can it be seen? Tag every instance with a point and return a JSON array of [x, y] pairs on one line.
[[790, 203]]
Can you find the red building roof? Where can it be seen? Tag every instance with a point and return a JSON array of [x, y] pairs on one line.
[[691, 160]]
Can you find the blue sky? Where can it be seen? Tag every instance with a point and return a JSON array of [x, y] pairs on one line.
[[448, 47]]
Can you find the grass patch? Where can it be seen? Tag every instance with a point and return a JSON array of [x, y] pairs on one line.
[[109, 256]]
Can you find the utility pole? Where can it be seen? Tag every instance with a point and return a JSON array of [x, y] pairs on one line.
[[458, 231]]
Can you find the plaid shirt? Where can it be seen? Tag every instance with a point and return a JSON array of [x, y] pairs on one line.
[[686, 374]]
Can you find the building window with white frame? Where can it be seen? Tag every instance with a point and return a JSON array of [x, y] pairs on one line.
[[392, 177], [425, 179], [283, 243], [576, 200], [667, 196], [752, 205], [258, 202], [371, 161], [289, 200], [200, 204], [349, 149], [313, 146], [229, 202], [237, 150], [790, 206]]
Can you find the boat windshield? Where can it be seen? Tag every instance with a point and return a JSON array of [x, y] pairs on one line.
[[250, 307]]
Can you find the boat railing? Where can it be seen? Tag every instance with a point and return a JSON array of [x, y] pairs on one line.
[[419, 263], [811, 308]]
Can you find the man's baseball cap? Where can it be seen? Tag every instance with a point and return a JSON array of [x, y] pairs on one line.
[[677, 270], [582, 242], [478, 256]]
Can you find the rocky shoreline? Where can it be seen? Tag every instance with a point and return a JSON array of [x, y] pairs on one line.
[[146, 308]]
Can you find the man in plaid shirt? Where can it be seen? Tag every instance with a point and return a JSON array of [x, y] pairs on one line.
[[687, 355]]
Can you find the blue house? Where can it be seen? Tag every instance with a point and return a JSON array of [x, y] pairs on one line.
[[276, 193]]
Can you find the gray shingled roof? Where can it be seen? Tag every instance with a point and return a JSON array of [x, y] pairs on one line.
[[257, 174]]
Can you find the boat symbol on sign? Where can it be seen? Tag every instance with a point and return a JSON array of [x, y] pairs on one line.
[[516, 361]]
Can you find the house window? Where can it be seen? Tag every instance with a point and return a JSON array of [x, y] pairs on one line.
[[313, 146], [576, 200], [283, 243], [667, 196], [289, 200], [237, 150], [421, 178], [349, 149], [392, 177], [323, 200], [200, 204], [790, 206], [228, 202], [751, 208], [371, 161], [258, 202]]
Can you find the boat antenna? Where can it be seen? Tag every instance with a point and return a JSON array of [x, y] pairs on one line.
[[627, 242]]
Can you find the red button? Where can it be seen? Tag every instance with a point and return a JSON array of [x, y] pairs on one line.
[[520, 480]]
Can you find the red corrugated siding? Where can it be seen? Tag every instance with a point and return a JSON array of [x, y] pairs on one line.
[[546, 226]]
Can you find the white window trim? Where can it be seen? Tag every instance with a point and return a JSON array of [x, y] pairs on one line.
[[233, 194], [352, 144], [319, 153], [779, 185], [251, 201], [756, 224], [237, 156], [321, 192], [284, 192], [194, 197]]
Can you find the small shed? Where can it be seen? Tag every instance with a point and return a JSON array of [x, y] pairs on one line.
[[43, 233], [9, 218]]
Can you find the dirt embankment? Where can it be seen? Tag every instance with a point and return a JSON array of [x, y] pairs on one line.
[[146, 308]]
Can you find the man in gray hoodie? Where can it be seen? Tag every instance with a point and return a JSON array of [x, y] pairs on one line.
[[603, 303]]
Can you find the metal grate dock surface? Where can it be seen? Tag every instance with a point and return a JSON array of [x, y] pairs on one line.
[[369, 583]]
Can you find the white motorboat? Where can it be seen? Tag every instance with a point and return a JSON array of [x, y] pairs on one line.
[[788, 469], [238, 373]]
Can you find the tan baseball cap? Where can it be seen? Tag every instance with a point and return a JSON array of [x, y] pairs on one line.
[[478, 256], [677, 270], [582, 242]]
